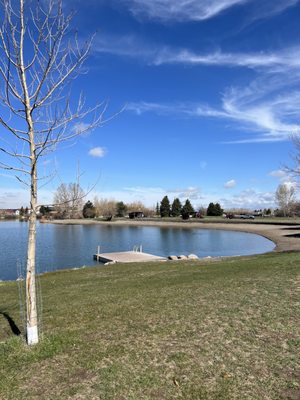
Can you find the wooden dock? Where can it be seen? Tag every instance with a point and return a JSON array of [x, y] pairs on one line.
[[127, 257]]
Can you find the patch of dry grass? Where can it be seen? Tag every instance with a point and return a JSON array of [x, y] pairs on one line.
[[181, 330]]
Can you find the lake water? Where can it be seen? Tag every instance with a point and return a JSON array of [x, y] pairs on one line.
[[68, 246]]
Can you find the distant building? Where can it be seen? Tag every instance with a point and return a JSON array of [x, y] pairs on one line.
[[136, 214], [9, 212]]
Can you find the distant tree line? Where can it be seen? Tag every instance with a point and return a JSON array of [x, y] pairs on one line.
[[68, 202], [108, 208], [176, 209]]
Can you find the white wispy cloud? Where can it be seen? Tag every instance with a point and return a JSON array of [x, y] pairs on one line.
[[158, 108], [268, 8], [192, 193], [270, 120], [249, 198], [278, 173], [97, 152], [127, 45], [271, 111], [155, 53], [230, 184], [143, 189], [274, 60], [18, 197], [199, 10], [146, 193], [266, 107], [284, 178], [180, 10]]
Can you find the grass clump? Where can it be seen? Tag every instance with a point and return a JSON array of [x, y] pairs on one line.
[[226, 329]]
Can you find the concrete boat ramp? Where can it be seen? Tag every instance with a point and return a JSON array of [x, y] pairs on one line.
[[126, 257]]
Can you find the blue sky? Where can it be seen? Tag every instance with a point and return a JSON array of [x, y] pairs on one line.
[[210, 96]]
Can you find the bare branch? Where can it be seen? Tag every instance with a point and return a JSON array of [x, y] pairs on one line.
[[15, 132], [10, 168], [13, 154]]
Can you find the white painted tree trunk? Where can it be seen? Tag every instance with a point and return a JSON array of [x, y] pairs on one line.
[[31, 304]]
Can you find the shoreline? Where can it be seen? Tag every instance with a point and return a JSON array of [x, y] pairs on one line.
[[286, 237]]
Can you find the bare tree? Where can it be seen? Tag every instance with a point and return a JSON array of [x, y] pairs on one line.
[[292, 170], [68, 200], [39, 57], [105, 207], [139, 206], [285, 196]]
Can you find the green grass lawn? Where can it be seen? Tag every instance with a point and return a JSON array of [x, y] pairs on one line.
[[226, 329]]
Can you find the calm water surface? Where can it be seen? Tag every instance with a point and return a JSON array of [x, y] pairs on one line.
[[68, 246]]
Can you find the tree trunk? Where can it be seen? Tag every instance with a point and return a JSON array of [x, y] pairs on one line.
[[31, 307]]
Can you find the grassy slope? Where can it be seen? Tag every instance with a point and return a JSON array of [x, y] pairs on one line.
[[183, 330]]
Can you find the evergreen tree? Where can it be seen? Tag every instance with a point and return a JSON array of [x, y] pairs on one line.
[[214, 210], [210, 210], [44, 210], [187, 209], [89, 210], [157, 211], [218, 210], [176, 208], [121, 209], [165, 207]]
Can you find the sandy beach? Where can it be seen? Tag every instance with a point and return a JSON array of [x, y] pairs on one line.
[[286, 237]]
